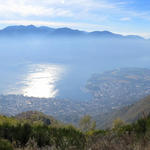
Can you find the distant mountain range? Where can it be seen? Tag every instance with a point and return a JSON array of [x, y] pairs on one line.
[[52, 32]]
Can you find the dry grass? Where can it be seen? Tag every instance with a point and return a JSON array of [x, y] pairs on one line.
[[113, 142], [102, 143]]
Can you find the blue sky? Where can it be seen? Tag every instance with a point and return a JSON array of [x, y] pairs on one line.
[[119, 16]]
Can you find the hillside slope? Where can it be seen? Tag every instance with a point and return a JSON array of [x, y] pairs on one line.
[[128, 114], [119, 87], [35, 117]]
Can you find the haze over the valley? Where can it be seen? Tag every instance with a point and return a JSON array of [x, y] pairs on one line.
[[47, 62]]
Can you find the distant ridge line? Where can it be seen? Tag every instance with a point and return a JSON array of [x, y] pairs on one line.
[[65, 31]]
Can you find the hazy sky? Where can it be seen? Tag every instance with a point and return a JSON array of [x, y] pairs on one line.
[[119, 16]]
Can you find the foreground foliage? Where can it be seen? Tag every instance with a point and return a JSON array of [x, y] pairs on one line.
[[15, 135], [5, 145]]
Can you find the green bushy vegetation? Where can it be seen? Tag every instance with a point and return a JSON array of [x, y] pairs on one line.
[[135, 136], [5, 145], [17, 135]]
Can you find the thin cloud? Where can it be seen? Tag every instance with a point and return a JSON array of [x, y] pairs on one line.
[[10, 8], [51, 8], [92, 12], [125, 19]]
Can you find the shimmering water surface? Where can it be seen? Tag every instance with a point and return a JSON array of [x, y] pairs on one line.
[[39, 80]]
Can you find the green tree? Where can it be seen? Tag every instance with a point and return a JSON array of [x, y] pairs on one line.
[[87, 124], [118, 123]]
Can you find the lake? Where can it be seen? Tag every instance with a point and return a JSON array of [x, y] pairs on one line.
[[60, 67]]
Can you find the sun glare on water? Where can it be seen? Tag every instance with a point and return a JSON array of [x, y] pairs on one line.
[[39, 81]]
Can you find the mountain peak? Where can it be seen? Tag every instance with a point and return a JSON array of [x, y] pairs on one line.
[[65, 31]]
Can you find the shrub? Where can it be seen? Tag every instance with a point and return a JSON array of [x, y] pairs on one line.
[[41, 135], [5, 145]]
